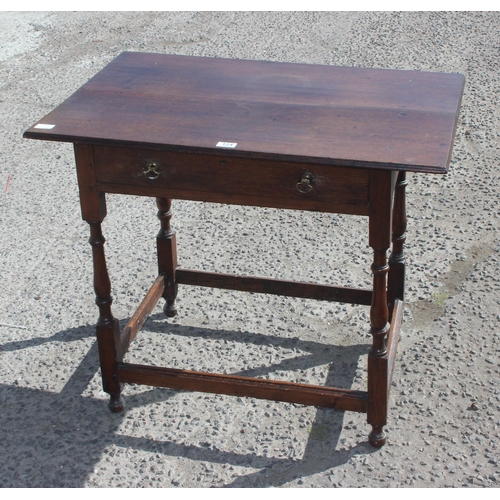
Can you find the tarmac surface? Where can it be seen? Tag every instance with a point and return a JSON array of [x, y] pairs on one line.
[[444, 411]]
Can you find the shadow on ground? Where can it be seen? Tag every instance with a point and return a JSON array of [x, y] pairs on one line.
[[58, 439]]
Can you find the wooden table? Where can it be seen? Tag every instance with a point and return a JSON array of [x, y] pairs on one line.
[[267, 134]]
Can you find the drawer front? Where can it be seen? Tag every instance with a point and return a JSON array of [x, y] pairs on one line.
[[238, 181]]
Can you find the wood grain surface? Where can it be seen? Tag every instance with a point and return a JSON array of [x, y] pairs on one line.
[[372, 118]]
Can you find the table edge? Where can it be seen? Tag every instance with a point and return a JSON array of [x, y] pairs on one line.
[[253, 155]]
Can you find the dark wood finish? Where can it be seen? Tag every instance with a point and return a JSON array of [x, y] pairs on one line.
[[141, 315], [396, 283], [167, 255], [93, 206], [232, 180], [108, 329], [371, 118], [274, 287], [306, 137], [92, 201], [314, 395], [381, 192]]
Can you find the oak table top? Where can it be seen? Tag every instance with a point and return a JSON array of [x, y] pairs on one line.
[[369, 118]]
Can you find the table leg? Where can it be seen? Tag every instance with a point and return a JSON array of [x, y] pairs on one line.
[[381, 186], [377, 357], [396, 285], [167, 255], [93, 205], [108, 329]]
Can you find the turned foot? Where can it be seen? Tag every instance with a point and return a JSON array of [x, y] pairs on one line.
[[116, 403], [377, 437], [170, 309]]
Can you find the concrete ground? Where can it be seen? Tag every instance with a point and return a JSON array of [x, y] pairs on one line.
[[444, 412]]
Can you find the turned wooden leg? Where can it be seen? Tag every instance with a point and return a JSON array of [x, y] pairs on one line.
[[377, 357], [396, 285], [108, 330], [381, 190], [167, 255]]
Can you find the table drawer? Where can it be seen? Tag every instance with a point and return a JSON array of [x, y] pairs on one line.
[[223, 179]]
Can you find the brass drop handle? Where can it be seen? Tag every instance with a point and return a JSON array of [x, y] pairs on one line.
[[305, 186], [152, 170]]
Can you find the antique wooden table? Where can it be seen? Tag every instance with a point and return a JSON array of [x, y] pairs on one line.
[[267, 134]]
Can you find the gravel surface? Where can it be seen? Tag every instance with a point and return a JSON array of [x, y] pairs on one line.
[[444, 411]]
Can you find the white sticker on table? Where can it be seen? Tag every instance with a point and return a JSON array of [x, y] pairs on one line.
[[226, 144], [44, 126]]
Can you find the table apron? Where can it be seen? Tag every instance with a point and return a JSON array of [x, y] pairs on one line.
[[220, 179]]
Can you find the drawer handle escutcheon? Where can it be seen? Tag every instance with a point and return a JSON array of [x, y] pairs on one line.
[[152, 170], [305, 186]]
